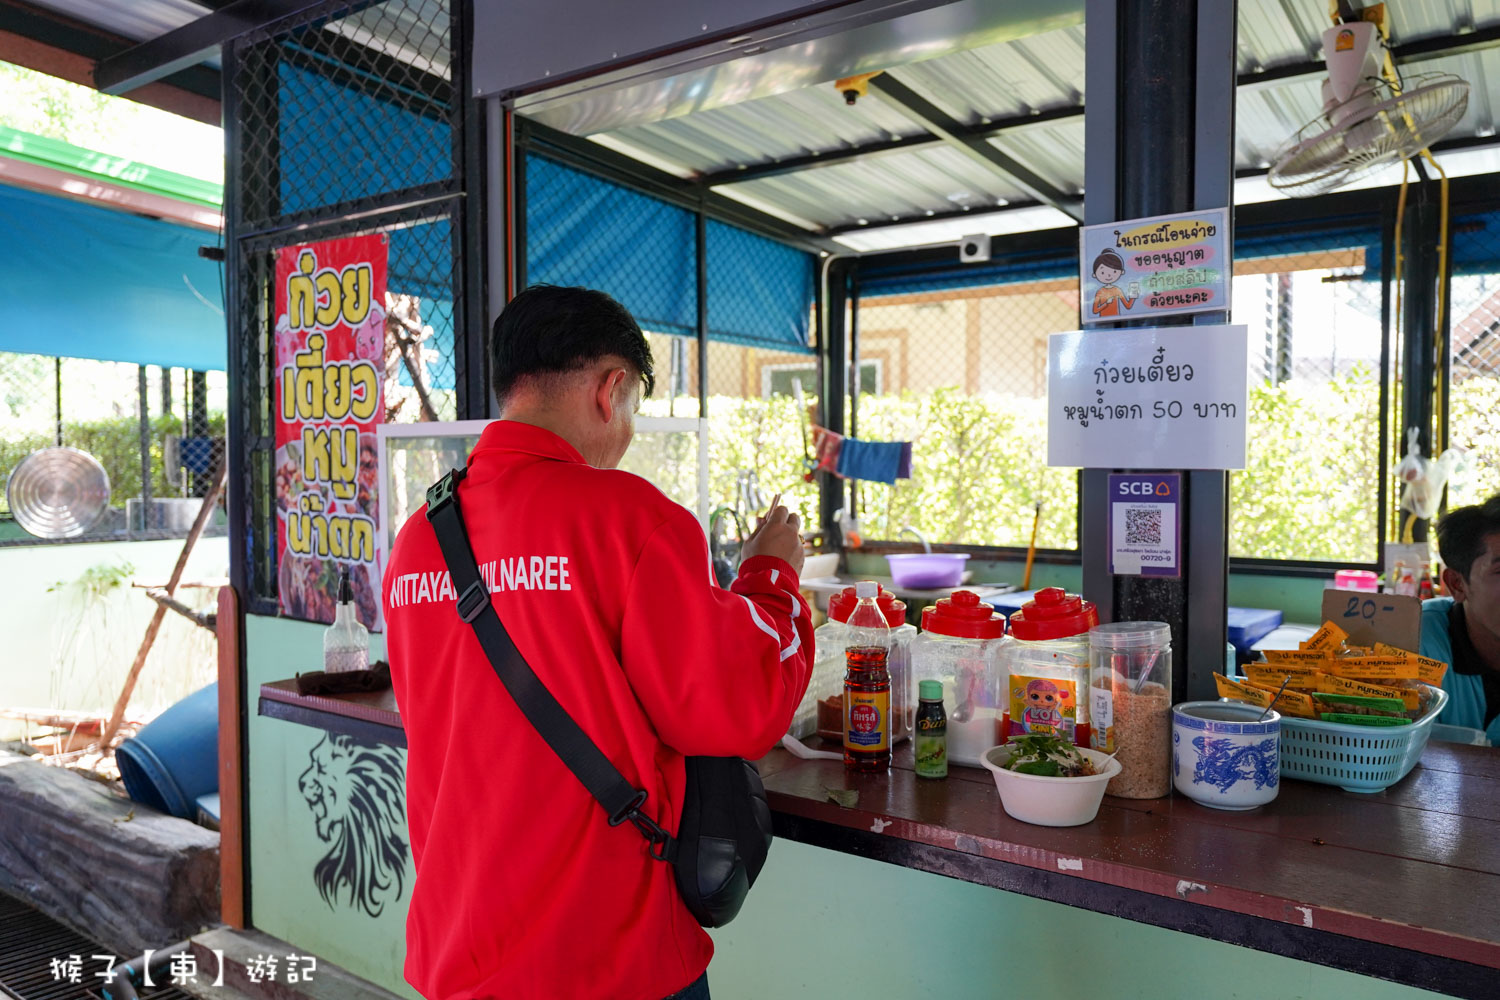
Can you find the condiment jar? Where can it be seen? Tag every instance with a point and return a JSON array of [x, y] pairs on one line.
[[960, 647], [821, 710], [1046, 660], [1130, 689]]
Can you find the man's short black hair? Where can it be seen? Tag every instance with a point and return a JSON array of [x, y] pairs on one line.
[[550, 330], [1461, 534]]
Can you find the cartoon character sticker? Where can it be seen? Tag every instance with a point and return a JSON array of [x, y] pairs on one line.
[[1108, 269], [1043, 705]]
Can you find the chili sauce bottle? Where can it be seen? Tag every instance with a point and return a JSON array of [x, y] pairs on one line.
[[930, 737], [867, 685]]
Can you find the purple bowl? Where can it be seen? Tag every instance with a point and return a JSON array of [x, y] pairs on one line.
[[927, 571]]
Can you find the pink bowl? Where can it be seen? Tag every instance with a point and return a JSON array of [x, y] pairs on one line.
[[927, 570]]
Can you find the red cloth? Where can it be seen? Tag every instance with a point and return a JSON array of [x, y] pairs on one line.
[[523, 889]]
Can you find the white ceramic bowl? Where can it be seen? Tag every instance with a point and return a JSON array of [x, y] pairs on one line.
[[1033, 798], [1222, 757]]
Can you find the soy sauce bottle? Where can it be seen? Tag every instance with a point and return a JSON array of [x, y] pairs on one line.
[[930, 737], [867, 685]]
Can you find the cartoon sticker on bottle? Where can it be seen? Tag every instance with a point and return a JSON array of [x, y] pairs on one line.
[[1045, 705], [866, 720]]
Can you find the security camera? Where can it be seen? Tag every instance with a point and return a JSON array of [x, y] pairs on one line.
[[974, 249], [850, 96]]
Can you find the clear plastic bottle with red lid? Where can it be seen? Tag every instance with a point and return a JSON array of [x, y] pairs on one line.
[[959, 647], [1046, 663], [821, 708]]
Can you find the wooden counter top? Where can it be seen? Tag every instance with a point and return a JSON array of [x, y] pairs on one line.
[[1403, 885]]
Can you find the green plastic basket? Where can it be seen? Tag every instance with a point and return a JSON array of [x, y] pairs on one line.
[[1356, 758]]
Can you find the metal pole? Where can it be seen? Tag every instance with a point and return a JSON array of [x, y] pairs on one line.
[[835, 382], [145, 443], [1419, 306], [57, 387], [1159, 130]]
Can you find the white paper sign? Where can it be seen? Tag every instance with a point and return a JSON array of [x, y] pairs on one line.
[[1158, 398]]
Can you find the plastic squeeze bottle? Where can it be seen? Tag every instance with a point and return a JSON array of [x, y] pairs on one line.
[[867, 684], [346, 643]]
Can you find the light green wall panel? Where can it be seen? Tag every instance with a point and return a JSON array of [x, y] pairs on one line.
[[824, 924], [285, 846]]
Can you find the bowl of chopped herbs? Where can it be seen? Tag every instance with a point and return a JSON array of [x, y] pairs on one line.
[[1045, 780]]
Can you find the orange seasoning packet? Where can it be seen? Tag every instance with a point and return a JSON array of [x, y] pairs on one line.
[[1303, 677], [1290, 703], [1330, 637], [1314, 658], [1385, 668], [1429, 671], [1330, 684]]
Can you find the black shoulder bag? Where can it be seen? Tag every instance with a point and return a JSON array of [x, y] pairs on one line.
[[725, 829]]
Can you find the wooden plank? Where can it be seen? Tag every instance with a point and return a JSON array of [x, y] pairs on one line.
[[231, 750], [1244, 871]]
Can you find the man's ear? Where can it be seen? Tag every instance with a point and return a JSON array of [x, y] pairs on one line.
[[1457, 586], [607, 393]]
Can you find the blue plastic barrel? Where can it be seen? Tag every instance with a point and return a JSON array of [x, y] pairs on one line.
[[175, 759]]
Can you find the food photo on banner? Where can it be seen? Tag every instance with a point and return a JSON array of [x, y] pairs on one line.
[[330, 339]]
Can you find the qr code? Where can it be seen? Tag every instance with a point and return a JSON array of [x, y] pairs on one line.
[[1143, 526]]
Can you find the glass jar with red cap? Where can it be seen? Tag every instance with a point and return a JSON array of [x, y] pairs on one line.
[[960, 647], [821, 710], [1046, 663]]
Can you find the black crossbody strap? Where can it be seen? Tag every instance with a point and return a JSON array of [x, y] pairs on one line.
[[621, 800]]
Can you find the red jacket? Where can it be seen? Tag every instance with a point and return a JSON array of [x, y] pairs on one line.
[[523, 889]]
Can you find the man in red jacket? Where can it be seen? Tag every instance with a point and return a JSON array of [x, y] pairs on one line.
[[523, 889]]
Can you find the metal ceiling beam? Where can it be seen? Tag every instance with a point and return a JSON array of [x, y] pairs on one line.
[[68, 35], [791, 164], [952, 132], [190, 44]]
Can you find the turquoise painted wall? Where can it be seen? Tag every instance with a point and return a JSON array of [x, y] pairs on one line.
[[824, 924], [819, 923], [65, 648], [285, 847]]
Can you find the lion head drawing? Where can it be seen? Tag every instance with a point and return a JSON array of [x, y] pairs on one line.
[[354, 790]]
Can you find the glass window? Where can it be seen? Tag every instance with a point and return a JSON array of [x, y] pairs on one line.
[[962, 374], [1311, 484]]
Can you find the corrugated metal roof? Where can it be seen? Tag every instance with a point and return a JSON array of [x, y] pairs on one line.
[[137, 20], [770, 129], [1006, 80], [1010, 80], [896, 186]]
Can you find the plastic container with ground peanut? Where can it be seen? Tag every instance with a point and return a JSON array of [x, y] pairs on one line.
[[1130, 694]]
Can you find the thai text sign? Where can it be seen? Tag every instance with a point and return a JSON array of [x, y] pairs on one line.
[[1148, 398], [1156, 267], [330, 344]]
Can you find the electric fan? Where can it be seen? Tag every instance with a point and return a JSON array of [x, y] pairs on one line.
[[1368, 120]]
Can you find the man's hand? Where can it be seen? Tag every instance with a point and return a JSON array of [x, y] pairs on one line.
[[777, 533]]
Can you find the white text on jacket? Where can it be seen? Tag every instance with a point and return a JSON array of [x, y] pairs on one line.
[[520, 573]]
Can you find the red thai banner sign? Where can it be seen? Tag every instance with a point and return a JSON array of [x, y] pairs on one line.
[[330, 340]]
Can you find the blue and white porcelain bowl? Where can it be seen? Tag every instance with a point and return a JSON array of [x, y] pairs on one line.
[[1222, 757]]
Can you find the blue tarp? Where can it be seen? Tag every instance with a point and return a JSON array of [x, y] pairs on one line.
[[82, 281], [582, 230], [760, 292], [402, 149]]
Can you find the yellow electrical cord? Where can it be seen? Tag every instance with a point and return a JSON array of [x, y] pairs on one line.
[[1437, 390]]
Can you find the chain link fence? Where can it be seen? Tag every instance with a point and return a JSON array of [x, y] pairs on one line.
[[1314, 438], [734, 375], [348, 122], [161, 427], [961, 373]]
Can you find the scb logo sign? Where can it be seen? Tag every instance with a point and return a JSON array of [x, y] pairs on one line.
[[1145, 488]]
